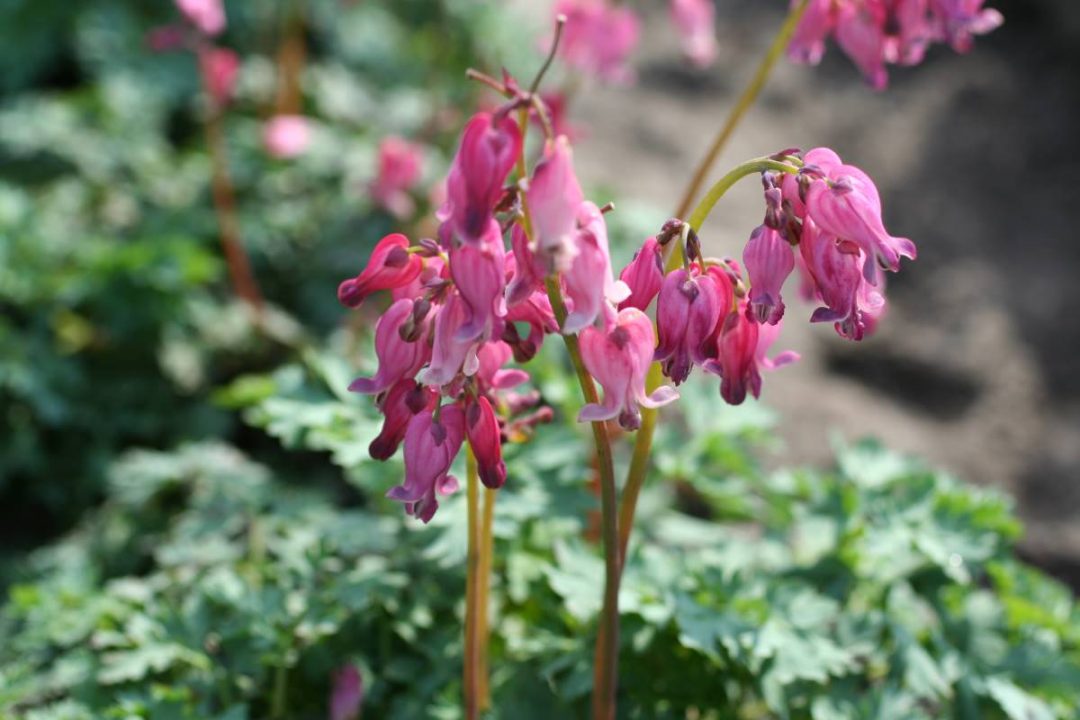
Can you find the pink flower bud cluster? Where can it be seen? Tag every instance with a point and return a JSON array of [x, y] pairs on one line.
[[874, 33], [598, 38]]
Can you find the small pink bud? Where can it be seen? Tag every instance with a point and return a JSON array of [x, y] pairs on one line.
[[485, 438], [391, 266], [619, 358], [430, 448], [287, 136], [769, 260], [398, 359], [644, 275]]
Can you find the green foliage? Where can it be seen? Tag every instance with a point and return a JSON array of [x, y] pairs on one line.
[[206, 584]]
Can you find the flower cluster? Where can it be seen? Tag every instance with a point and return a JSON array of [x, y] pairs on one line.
[[533, 255], [874, 33]]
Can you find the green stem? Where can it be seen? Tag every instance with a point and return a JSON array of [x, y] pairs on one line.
[[470, 671], [745, 102], [606, 661], [487, 555], [639, 463], [277, 708]]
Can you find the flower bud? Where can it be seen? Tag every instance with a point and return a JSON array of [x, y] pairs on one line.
[[391, 266]]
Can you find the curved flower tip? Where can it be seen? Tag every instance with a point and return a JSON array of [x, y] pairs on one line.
[[391, 266], [695, 20], [450, 355], [206, 15], [644, 275], [430, 448], [346, 693], [619, 359], [398, 358], [287, 136]]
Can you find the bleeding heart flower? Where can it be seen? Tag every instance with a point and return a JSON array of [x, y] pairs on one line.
[[644, 275], [219, 67], [391, 266], [490, 145], [687, 313], [619, 358], [398, 405], [398, 358], [430, 448], [769, 260], [598, 38], [554, 197], [399, 168], [485, 439], [589, 282], [479, 272]]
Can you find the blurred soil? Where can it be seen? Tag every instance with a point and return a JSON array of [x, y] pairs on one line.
[[976, 366]]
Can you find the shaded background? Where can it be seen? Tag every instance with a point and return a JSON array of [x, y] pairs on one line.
[[976, 365]]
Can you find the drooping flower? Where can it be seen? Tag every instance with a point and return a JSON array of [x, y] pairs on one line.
[[391, 266], [398, 358], [430, 448], [741, 353], [590, 282], [598, 38], [480, 276], [346, 694], [836, 269], [687, 312], [491, 375], [490, 145], [874, 33], [287, 136], [399, 168], [619, 357], [769, 260], [644, 275], [554, 197], [219, 67], [535, 312], [208, 16], [398, 405], [450, 354], [696, 22], [485, 439], [845, 204]]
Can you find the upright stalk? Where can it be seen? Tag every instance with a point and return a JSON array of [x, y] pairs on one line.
[[745, 102], [606, 659], [470, 671], [487, 553], [240, 274]]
